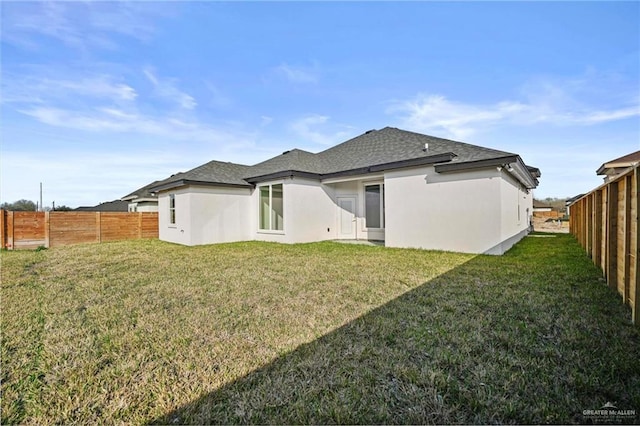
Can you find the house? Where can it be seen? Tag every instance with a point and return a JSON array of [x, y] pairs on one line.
[[142, 199], [614, 168], [391, 185], [108, 206], [540, 206]]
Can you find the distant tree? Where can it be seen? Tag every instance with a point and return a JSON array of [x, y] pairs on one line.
[[63, 208], [19, 206]]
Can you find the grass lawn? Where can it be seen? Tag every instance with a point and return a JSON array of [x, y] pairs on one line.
[[150, 332]]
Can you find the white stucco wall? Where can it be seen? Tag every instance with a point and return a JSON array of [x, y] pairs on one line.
[[355, 188], [309, 212], [206, 215], [144, 206], [516, 204], [473, 212]]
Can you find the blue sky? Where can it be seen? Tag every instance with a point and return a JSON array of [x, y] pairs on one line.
[[101, 98]]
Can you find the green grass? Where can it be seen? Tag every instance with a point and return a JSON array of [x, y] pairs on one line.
[[150, 332]]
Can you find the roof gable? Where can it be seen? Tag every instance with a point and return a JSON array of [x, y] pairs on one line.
[[390, 145], [624, 161], [375, 150]]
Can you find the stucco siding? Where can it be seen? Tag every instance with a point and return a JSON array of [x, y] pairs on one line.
[[309, 213], [147, 207], [205, 215], [180, 232], [516, 206], [219, 215], [454, 212]]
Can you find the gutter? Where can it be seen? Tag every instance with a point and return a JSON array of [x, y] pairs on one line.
[[186, 182], [413, 162]]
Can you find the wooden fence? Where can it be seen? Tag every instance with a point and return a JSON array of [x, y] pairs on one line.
[[20, 230], [605, 222], [548, 215]]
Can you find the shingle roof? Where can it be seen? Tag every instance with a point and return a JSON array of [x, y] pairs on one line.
[[389, 146], [624, 161], [213, 172], [296, 159], [109, 206], [143, 192]]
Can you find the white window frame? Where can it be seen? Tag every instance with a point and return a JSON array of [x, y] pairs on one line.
[[270, 221], [172, 209], [382, 206]]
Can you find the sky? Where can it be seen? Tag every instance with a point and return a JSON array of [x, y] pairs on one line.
[[98, 99]]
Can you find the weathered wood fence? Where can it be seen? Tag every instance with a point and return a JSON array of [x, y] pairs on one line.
[[549, 215], [23, 230], [605, 222]]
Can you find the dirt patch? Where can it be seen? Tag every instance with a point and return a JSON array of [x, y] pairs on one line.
[[541, 224]]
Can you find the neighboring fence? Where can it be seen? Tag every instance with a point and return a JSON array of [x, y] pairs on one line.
[[549, 215], [605, 222], [52, 229]]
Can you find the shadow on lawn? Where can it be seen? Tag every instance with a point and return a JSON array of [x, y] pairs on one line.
[[496, 340]]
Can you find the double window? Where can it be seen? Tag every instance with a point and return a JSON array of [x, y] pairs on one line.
[[374, 205], [172, 209], [271, 208]]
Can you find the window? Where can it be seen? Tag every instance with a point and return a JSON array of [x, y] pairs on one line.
[[271, 208], [374, 205], [172, 209]]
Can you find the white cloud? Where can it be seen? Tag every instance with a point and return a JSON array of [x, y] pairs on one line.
[[40, 89], [265, 120], [315, 128], [80, 25], [166, 89], [435, 113], [543, 103], [107, 119], [297, 74]]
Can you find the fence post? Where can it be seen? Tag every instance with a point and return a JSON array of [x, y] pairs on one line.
[[10, 230], [627, 239], [3, 228], [635, 316], [612, 240], [47, 243], [597, 233], [139, 224], [98, 228]]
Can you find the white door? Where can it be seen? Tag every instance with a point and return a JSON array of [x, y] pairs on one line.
[[347, 217]]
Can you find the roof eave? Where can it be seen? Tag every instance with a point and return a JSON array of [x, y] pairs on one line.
[[186, 182], [521, 172], [478, 164], [393, 165], [282, 174]]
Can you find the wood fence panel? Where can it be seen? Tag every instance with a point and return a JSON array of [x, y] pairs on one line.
[[149, 225], [550, 215], [3, 229], [597, 231], [28, 230], [605, 223], [612, 236], [118, 226], [68, 228], [621, 238], [634, 298]]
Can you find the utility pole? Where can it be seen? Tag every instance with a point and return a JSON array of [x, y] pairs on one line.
[[41, 205]]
